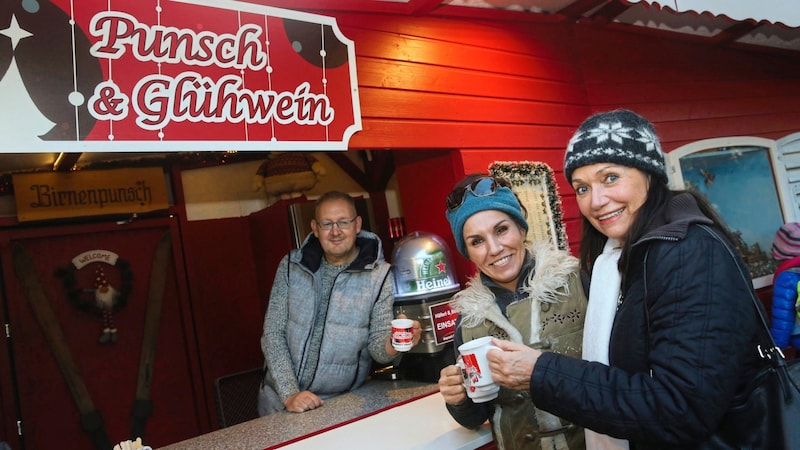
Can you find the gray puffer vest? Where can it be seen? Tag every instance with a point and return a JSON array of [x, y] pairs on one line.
[[344, 359]]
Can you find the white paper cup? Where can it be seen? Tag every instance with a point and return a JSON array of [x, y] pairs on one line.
[[402, 334], [475, 369]]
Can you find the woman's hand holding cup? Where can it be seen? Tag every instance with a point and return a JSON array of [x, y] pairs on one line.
[[451, 385], [512, 368], [477, 374]]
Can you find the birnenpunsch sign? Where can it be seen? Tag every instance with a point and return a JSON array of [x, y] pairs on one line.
[[142, 75]]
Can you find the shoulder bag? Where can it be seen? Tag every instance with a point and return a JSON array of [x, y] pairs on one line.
[[767, 414]]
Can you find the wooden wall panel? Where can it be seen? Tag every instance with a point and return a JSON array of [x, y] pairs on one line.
[[479, 160], [691, 91], [403, 75], [494, 91], [407, 133], [460, 55], [538, 39], [661, 92], [381, 103], [445, 83]]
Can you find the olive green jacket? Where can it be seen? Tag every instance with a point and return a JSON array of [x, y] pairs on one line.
[[547, 314]]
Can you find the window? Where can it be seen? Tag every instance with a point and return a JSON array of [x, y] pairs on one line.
[[789, 173], [743, 179]]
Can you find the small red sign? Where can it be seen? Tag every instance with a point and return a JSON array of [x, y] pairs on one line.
[[444, 322]]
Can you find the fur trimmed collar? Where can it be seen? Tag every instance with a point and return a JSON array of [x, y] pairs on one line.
[[548, 280]]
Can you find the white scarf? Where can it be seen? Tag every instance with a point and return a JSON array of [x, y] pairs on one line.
[[600, 313]]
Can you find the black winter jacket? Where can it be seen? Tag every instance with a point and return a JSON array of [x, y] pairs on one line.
[[682, 345]]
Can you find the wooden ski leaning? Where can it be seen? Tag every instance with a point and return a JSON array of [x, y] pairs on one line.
[[91, 420], [142, 405]]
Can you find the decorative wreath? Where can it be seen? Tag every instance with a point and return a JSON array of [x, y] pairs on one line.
[[83, 302]]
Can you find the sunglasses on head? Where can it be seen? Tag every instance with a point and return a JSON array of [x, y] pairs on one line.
[[482, 187]]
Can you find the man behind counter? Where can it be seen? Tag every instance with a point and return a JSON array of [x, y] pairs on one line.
[[329, 312]]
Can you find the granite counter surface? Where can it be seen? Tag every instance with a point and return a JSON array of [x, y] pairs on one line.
[[281, 428]]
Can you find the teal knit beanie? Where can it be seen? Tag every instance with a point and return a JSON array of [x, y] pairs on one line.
[[503, 200]]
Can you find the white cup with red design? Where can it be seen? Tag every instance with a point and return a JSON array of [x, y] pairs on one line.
[[402, 334], [478, 379]]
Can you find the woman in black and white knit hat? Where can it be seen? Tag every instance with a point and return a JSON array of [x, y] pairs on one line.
[[670, 328]]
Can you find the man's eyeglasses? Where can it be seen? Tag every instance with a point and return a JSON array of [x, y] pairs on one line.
[[482, 187], [342, 224]]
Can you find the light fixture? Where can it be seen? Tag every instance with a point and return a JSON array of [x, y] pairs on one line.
[[58, 161]]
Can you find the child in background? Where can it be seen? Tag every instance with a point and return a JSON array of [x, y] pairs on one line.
[[785, 327]]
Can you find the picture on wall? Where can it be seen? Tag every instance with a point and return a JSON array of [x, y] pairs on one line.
[[739, 182]]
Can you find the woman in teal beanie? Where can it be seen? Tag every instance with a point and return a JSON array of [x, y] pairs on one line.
[[528, 293]]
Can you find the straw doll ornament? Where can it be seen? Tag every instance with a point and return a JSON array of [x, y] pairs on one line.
[[106, 297], [288, 175]]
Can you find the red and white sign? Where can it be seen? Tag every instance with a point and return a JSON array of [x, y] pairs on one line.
[[163, 75], [444, 322]]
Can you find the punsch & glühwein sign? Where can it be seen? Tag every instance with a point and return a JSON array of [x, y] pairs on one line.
[[153, 75]]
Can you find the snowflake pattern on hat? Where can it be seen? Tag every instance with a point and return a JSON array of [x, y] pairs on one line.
[[621, 137]]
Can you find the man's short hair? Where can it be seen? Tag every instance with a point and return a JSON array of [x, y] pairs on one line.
[[334, 195]]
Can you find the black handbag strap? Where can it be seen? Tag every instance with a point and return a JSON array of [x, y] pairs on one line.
[[756, 302], [773, 354]]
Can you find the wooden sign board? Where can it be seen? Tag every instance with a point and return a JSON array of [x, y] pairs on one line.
[[57, 195]]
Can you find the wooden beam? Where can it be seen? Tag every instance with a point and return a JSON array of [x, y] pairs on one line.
[[378, 168], [350, 169]]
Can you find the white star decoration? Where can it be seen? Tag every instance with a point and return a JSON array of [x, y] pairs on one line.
[[15, 32]]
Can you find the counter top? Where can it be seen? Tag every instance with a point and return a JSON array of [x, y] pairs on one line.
[[371, 411], [421, 424]]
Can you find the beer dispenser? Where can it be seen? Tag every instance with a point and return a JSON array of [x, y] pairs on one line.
[[425, 282]]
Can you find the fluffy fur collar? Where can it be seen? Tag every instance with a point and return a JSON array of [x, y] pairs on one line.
[[545, 284]]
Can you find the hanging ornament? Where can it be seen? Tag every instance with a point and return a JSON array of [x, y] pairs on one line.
[[105, 298]]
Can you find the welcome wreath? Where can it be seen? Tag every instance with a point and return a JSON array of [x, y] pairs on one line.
[[77, 295], [104, 298]]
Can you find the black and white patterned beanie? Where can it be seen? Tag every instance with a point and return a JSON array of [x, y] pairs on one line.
[[620, 137]]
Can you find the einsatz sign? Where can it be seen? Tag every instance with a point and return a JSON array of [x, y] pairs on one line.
[[173, 75]]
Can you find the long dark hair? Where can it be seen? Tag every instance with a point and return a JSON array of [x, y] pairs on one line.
[[658, 197]]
